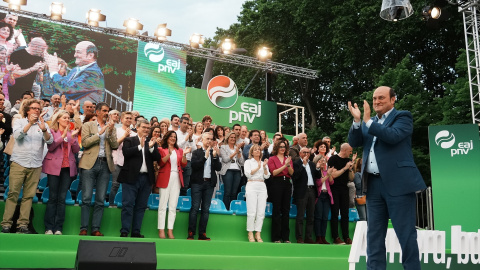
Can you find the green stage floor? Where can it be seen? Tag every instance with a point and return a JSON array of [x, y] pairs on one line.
[[229, 248]]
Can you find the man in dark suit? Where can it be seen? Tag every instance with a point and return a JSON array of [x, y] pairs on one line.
[[137, 177], [390, 176], [205, 161], [84, 82], [305, 193]]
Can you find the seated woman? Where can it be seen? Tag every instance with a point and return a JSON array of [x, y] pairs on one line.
[[170, 180], [59, 165], [256, 172]]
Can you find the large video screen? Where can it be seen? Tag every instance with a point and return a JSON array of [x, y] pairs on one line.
[[49, 57], [89, 63]]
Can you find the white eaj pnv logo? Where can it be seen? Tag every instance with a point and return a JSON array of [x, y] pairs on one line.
[[445, 139], [154, 52]]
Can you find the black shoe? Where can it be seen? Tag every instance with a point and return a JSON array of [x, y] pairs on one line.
[[5, 229], [190, 236], [124, 234], [204, 237], [23, 230], [137, 235]]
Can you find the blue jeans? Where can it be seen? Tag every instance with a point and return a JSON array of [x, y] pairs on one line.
[[187, 172], [201, 194], [134, 200], [55, 213], [362, 211], [231, 180], [98, 176], [322, 207], [115, 184]]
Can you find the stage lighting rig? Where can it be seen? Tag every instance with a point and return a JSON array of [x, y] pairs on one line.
[[264, 54], [196, 40], [162, 32], [228, 46], [94, 16], [132, 25], [56, 11], [394, 10], [15, 4]]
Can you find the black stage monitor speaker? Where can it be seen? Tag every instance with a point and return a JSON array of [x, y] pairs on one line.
[[93, 255]]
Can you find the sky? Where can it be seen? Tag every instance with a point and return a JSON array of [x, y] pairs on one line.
[[183, 17]]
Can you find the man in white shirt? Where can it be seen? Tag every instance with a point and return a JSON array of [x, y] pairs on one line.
[[18, 40], [184, 141], [118, 159]]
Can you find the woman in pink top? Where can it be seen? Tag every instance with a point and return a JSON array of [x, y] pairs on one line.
[[325, 199], [281, 169], [59, 165]]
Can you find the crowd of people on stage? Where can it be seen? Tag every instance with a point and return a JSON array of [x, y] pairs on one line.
[[169, 156]]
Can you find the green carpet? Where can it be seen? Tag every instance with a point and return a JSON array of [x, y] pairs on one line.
[[229, 248]]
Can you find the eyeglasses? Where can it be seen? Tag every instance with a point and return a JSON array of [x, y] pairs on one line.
[[35, 108]]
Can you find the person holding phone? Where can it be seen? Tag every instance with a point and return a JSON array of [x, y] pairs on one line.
[[30, 133]]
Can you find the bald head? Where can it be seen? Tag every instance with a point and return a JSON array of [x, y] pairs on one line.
[[345, 150], [85, 53], [37, 46], [383, 100], [88, 107]]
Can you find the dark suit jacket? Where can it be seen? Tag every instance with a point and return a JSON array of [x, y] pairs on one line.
[[198, 162], [393, 151], [300, 178], [88, 84], [133, 161]]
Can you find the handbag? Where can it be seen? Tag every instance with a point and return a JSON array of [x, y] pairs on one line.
[[361, 200]]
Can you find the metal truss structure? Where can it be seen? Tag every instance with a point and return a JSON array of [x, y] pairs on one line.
[[471, 15], [200, 52]]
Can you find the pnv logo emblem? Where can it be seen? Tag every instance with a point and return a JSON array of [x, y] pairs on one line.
[[222, 92], [445, 139], [154, 52]]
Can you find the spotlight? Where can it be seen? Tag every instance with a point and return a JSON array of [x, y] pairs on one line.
[[264, 54], [162, 32], [132, 25], [94, 16], [15, 4], [196, 40], [433, 12], [394, 10], [228, 46], [56, 11]]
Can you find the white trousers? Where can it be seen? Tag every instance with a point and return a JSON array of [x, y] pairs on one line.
[[256, 197], [169, 195]]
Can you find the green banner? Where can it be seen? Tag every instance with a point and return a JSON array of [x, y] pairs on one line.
[[455, 159], [254, 113], [160, 80]]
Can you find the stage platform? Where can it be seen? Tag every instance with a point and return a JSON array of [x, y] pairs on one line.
[[228, 249]]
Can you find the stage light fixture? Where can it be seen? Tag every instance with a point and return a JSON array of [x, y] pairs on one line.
[[94, 16], [56, 11], [15, 4], [394, 10], [433, 12], [132, 25], [264, 54], [228, 46], [196, 40], [162, 32]]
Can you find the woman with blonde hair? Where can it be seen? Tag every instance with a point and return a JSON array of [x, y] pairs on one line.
[[59, 165], [256, 195], [232, 161]]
